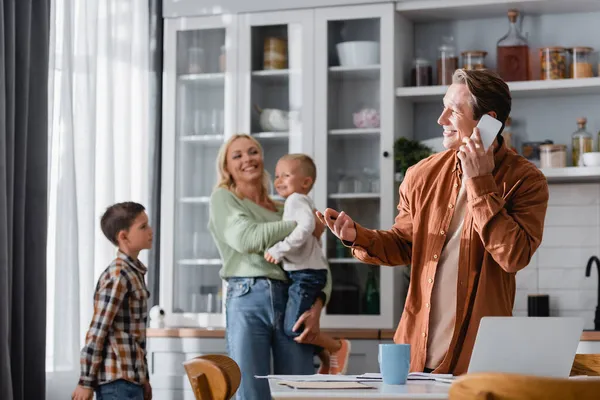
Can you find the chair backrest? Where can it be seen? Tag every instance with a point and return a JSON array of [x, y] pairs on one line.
[[586, 364], [213, 377], [497, 386]]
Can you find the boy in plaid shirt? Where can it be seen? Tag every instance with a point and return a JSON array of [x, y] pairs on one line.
[[113, 360]]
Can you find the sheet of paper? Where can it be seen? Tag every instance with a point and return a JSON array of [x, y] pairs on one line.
[[324, 385], [315, 378]]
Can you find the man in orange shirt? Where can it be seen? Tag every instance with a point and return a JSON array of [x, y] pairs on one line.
[[468, 220]]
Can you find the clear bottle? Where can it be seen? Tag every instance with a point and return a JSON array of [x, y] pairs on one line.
[[371, 296], [582, 142], [513, 52]]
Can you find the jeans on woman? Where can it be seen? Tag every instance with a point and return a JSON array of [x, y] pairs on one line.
[[255, 311]]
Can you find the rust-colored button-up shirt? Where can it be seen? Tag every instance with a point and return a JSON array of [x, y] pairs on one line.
[[503, 227]]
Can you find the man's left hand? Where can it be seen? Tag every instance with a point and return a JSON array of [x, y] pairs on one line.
[[311, 320], [474, 159]]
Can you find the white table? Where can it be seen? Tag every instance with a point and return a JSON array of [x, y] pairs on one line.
[[413, 390]]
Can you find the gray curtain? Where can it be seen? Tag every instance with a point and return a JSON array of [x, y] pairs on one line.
[[156, 54], [24, 39]]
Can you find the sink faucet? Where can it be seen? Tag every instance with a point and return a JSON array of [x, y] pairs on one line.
[[588, 271]]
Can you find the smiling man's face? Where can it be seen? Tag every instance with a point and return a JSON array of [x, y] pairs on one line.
[[457, 116]]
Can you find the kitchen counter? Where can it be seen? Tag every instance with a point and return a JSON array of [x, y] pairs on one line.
[[586, 336]]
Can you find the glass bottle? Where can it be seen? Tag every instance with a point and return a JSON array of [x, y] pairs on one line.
[[582, 142], [371, 299], [513, 52], [447, 61]]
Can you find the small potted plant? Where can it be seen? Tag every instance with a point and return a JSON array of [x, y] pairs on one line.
[[408, 152]]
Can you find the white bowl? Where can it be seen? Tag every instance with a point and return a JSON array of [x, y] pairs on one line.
[[358, 53], [591, 159]]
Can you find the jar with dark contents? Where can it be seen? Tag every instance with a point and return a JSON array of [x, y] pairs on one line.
[[553, 63], [447, 62], [421, 73]]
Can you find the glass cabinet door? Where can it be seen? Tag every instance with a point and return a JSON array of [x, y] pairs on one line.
[[276, 82], [197, 80], [353, 146]]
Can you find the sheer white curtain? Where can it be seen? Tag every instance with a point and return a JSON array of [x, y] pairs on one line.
[[100, 148]]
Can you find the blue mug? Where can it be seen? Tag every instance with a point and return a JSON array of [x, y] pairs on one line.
[[394, 363]]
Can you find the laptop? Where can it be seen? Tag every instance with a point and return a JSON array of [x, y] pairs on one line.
[[540, 346]]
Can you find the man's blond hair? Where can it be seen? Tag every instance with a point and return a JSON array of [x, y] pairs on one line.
[[307, 165]]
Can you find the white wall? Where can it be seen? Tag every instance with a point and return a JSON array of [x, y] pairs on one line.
[[571, 237]]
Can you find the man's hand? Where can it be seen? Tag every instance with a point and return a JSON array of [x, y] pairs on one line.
[[311, 320], [82, 393], [339, 223], [147, 391], [474, 159], [270, 258]]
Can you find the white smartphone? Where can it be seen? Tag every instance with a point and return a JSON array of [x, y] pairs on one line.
[[488, 130]]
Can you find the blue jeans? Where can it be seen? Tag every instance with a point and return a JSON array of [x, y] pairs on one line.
[[304, 289], [119, 390], [255, 310]]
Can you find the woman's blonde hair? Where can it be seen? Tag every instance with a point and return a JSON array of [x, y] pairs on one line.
[[224, 179]]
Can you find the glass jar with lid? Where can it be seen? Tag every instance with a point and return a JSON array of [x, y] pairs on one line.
[[553, 155], [581, 63], [421, 73], [447, 61], [553, 63], [582, 142], [474, 59]]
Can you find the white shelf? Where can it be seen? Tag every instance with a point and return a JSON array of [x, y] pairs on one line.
[[356, 131], [202, 138], [272, 135], [272, 76], [200, 261], [431, 10], [216, 80], [368, 72], [352, 196], [572, 175], [343, 261], [559, 87], [195, 200]]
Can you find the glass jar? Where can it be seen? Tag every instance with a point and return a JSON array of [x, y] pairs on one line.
[[531, 151], [582, 142], [275, 53], [581, 63], [195, 60], [553, 63], [421, 74], [447, 61], [223, 59], [474, 59], [513, 52], [553, 156]]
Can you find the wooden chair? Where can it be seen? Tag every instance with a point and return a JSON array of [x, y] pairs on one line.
[[213, 377], [586, 364], [497, 386]]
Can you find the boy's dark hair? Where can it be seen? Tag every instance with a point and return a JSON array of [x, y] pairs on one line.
[[119, 217]]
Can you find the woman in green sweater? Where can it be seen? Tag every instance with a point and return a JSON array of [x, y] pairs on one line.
[[245, 222]]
